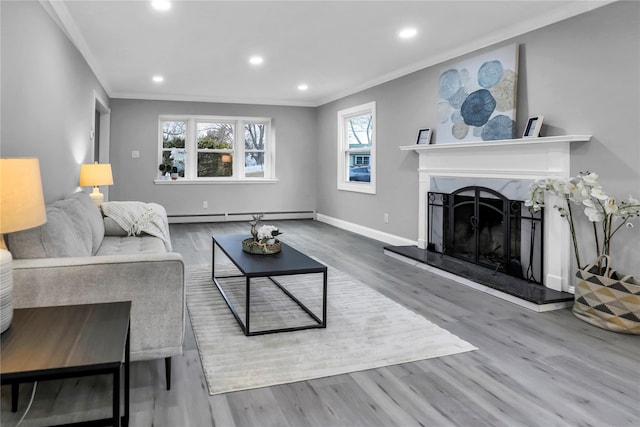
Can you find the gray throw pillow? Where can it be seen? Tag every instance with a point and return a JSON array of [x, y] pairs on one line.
[[57, 237], [87, 217]]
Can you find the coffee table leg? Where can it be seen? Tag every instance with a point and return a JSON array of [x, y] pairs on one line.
[[15, 388], [247, 307], [213, 259], [324, 298]]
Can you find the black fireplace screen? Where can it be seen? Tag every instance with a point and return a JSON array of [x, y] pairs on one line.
[[481, 226]]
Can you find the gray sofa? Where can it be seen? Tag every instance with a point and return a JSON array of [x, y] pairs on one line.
[[79, 257]]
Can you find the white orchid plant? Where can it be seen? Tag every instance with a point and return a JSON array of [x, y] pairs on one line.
[[605, 213], [267, 232], [263, 234]]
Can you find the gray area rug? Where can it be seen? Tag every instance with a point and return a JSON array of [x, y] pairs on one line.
[[365, 330]]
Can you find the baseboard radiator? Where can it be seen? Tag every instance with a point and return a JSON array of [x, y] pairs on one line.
[[238, 216]]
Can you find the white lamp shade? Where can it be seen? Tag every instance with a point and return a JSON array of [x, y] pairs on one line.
[[21, 207], [21, 198], [93, 175]]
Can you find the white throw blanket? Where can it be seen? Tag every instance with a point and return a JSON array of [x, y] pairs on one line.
[[140, 217]]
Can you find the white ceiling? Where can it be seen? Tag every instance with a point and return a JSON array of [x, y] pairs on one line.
[[202, 48]]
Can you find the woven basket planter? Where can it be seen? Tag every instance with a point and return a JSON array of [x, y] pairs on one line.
[[607, 301]]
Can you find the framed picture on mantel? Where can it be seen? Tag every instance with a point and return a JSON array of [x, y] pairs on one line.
[[532, 129], [424, 136]]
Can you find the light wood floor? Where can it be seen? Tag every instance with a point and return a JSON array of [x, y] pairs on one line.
[[531, 369]]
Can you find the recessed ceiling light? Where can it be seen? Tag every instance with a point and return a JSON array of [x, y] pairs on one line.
[[157, 79], [303, 86], [407, 33], [256, 60], [161, 5]]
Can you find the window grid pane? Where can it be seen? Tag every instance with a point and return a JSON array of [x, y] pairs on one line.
[[211, 165], [215, 135], [174, 134], [254, 164], [359, 168], [254, 144], [178, 159], [359, 131], [214, 149], [254, 136]]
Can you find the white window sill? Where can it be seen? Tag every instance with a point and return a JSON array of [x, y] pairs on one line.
[[183, 181], [357, 187]]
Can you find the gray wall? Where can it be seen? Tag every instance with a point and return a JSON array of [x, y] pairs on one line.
[[134, 126], [581, 74], [47, 97]]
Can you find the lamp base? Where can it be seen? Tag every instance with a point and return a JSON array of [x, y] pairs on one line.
[[97, 196], [6, 290]]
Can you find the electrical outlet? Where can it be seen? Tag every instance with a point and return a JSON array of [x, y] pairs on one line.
[[205, 204], [386, 218], [135, 154]]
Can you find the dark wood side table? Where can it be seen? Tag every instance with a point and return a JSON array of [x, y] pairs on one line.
[[47, 343]]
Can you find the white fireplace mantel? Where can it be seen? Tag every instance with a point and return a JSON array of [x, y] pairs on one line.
[[525, 158]]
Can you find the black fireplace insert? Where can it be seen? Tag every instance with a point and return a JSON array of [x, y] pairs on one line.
[[481, 226]]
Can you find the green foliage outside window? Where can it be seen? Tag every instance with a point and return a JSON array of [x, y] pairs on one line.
[[173, 143], [212, 143]]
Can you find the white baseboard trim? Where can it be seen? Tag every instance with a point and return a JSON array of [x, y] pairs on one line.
[[387, 238], [231, 217]]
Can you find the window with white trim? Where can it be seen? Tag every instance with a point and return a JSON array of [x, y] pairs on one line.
[[357, 149], [216, 148]]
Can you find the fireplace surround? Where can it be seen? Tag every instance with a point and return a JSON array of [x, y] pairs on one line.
[[507, 167]]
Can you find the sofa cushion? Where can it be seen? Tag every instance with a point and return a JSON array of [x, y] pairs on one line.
[[87, 218], [143, 244], [58, 237]]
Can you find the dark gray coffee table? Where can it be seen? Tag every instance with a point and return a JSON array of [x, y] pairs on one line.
[[286, 263]]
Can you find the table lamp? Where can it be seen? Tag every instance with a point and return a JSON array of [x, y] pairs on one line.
[[21, 207], [94, 175]]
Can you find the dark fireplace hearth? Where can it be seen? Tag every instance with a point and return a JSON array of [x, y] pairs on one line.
[[479, 234], [524, 290]]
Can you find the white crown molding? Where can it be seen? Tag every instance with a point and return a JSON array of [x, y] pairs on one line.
[[61, 16], [212, 99]]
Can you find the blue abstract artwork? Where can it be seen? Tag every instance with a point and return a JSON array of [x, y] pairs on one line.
[[477, 97]]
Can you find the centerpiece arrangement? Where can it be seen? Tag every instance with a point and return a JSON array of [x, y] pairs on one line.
[[603, 297], [263, 238]]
